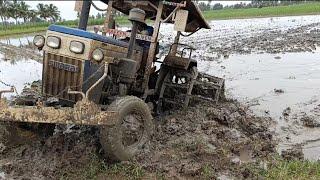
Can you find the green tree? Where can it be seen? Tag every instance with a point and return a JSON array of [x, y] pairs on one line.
[[4, 10], [32, 15], [53, 11], [24, 11], [14, 11], [43, 11]]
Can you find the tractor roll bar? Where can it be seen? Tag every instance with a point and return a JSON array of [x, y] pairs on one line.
[[84, 16]]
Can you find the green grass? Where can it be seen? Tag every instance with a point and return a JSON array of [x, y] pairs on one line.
[[38, 27], [97, 168], [295, 170], [298, 9], [279, 169]]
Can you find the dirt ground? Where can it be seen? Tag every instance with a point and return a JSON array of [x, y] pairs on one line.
[[204, 141], [207, 141]]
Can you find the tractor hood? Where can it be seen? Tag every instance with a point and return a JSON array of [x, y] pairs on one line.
[[86, 34]]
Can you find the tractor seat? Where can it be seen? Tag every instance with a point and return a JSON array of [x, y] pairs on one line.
[[86, 34], [178, 62]]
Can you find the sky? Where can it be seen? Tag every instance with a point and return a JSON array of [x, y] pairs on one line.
[[67, 12]]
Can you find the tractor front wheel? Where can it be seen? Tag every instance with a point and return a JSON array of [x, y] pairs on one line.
[[132, 130]]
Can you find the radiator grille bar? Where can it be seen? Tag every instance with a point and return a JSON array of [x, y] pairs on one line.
[[60, 73]]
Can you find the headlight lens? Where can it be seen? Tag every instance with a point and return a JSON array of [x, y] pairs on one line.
[[97, 55], [38, 41], [76, 47], [53, 42]]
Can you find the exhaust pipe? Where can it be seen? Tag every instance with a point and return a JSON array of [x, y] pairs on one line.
[[136, 16]]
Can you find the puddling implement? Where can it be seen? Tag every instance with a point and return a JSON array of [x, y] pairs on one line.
[[111, 80]]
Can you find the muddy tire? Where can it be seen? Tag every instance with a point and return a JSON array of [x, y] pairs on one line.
[[132, 130]]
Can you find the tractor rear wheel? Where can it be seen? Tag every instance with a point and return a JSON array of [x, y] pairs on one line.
[[132, 130]]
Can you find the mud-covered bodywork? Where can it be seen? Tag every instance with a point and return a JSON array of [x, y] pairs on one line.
[[83, 113], [64, 69], [77, 89]]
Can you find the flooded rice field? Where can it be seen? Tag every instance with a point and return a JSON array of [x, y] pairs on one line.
[[271, 65], [285, 89]]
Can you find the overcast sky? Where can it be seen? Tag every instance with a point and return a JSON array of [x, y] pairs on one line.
[[66, 8]]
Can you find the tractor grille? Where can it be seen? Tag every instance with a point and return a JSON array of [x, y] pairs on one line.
[[59, 74]]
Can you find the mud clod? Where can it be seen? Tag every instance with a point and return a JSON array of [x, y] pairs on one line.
[[278, 91], [286, 112], [293, 154], [310, 121]]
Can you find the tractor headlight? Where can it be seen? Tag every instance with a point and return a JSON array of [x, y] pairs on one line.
[[53, 42], [38, 41], [76, 47], [97, 55]]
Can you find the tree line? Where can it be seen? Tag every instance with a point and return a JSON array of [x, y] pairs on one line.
[[19, 10]]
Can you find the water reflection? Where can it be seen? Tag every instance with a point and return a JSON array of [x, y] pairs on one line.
[[19, 40]]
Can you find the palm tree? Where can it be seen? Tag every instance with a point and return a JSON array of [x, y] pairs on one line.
[[43, 11], [14, 11], [24, 11], [3, 10], [32, 15], [54, 13]]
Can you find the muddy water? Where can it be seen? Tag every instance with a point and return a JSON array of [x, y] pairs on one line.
[[18, 40], [249, 27], [19, 73], [256, 80]]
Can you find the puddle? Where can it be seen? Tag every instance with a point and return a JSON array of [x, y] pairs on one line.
[[19, 73], [312, 150], [2, 175], [245, 155]]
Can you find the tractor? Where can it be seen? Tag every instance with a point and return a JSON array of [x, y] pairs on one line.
[[114, 79]]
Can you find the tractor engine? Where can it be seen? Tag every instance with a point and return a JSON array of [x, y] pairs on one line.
[[74, 60]]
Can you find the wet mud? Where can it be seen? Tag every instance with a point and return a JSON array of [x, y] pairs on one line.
[[223, 138], [302, 39], [203, 141]]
